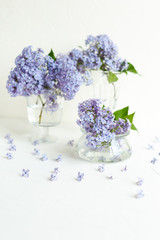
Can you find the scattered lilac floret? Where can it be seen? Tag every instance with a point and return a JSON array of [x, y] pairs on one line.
[[140, 194], [101, 168], [36, 151], [71, 142], [53, 177], [140, 181], [9, 155], [10, 140], [7, 136], [12, 147], [44, 157], [59, 158], [80, 177], [35, 142], [25, 172], [56, 170], [124, 169], [150, 147], [154, 160], [110, 177]]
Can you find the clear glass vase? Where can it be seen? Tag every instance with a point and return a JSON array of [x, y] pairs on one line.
[[43, 118], [119, 150], [102, 89]]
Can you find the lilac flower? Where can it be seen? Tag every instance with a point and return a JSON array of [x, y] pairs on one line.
[[101, 168], [59, 158], [124, 169], [25, 172], [56, 170], [80, 177], [110, 177], [140, 181], [53, 177], [122, 126], [8, 136], [28, 77], [140, 194], [12, 148], [150, 147], [10, 140], [71, 142], [154, 160], [9, 155], [35, 142], [99, 124], [103, 53], [36, 151], [68, 78], [44, 157]]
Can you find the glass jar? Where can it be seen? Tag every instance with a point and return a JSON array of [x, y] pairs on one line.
[[102, 89], [118, 150], [42, 117]]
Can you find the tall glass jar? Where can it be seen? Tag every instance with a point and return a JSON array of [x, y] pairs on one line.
[[42, 117], [102, 89], [118, 150]]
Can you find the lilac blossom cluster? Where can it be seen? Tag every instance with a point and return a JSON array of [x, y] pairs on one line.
[[68, 79], [37, 74], [99, 124], [101, 53]]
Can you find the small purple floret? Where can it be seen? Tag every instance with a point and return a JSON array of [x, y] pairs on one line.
[[80, 177], [25, 172], [9, 155]]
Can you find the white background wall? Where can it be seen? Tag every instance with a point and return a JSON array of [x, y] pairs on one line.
[[64, 24]]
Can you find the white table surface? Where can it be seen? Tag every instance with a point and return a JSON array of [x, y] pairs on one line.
[[96, 208]]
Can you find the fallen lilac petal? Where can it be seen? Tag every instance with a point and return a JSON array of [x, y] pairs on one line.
[[110, 177], [35, 142], [80, 177], [9, 155], [10, 141], [56, 170], [140, 194], [12, 148], [25, 172], [140, 181], [101, 168], [44, 157], [154, 160], [36, 151], [8, 136], [59, 158], [124, 169], [53, 177], [71, 142], [150, 147]]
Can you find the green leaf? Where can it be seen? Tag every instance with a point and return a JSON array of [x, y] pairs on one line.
[[51, 54], [131, 68], [112, 77], [133, 127], [130, 117], [121, 113]]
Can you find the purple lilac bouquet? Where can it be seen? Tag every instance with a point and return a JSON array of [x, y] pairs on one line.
[[100, 53], [101, 125], [37, 74]]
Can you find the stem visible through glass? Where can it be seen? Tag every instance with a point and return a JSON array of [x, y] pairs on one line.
[[43, 104], [114, 93]]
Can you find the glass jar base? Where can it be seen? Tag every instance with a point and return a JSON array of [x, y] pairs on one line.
[[104, 157]]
